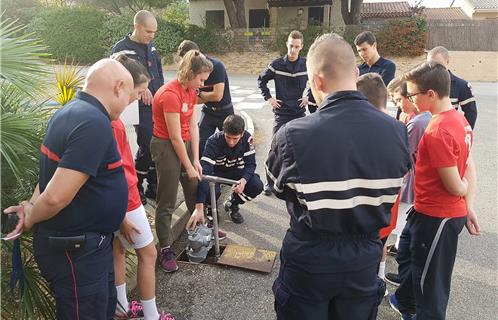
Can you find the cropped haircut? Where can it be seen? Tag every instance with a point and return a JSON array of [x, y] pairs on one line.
[[373, 87], [365, 36], [439, 50], [397, 85], [332, 57], [142, 16], [296, 35], [137, 70], [186, 46], [192, 64], [233, 125], [430, 76]]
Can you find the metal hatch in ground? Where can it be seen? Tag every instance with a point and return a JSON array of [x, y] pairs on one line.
[[233, 255]]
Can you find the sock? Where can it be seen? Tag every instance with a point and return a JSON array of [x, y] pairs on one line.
[[382, 270], [150, 309], [396, 245], [122, 298]]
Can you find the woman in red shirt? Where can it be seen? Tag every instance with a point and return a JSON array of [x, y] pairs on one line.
[[175, 146]]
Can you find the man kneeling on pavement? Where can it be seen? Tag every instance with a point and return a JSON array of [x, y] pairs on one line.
[[229, 154]]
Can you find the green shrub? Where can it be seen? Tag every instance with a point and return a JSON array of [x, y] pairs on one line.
[[207, 39], [70, 32], [402, 37], [177, 12], [168, 36], [114, 29]]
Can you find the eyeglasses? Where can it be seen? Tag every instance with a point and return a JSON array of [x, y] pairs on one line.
[[411, 96]]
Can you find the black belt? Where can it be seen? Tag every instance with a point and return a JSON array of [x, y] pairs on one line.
[[65, 242], [225, 107], [323, 236]]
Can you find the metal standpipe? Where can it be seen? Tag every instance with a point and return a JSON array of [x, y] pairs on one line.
[[212, 190]]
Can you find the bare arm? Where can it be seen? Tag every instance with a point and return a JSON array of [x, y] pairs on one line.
[[472, 224], [59, 192], [213, 96], [175, 134], [452, 181], [194, 143]]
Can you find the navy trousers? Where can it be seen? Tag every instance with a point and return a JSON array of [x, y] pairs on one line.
[[253, 188], [426, 256], [82, 280], [143, 160], [209, 122], [300, 293]]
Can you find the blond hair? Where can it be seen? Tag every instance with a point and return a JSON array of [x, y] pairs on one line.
[[192, 64]]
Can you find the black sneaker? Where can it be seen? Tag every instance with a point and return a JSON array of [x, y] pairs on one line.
[[268, 190], [393, 278], [392, 251], [151, 192], [233, 210]]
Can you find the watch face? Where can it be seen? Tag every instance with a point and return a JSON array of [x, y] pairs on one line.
[[184, 107]]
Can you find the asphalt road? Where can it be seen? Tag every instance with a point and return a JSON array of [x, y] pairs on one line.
[[200, 292]]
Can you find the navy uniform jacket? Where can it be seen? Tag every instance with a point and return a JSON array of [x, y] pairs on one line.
[[145, 54], [221, 160], [79, 137], [218, 75], [339, 171], [290, 82], [461, 96], [385, 68]]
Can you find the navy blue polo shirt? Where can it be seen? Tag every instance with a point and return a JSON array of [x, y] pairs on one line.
[[385, 68], [79, 137], [218, 75]]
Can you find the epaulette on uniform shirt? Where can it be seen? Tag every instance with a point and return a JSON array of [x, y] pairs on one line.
[[461, 96]]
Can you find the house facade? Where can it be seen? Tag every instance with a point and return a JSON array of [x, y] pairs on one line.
[[288, 14], [480, 9]]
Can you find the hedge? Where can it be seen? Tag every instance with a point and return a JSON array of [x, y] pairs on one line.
[[397, 37], [87, 35], [70, 32]]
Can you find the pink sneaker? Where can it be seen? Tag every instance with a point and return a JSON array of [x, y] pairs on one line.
[[167, 260], [166, 316], [135, 311], [221, 234]]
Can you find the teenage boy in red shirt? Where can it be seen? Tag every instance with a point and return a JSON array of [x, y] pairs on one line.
[[445, 186]]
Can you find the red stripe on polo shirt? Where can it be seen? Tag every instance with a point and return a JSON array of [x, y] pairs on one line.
[[115, 165], [49, 154]]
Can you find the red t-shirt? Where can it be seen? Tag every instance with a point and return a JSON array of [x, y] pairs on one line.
[[445, 143], [119, 131], [172, 97]]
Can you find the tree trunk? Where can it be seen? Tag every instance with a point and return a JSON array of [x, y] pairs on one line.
[[241, 13], [353, 17], [236, 13]]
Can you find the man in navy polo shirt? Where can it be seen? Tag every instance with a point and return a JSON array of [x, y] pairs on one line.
[[337, 201], [138, 45], [460, 90], [81, 197], [215, 95], [366, 45]]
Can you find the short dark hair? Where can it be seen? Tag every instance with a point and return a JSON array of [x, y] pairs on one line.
[[397, 85], [186, 46], [295, 34], [365, 36], [373, 87], [430, 76], [135, 68], [233, 124]]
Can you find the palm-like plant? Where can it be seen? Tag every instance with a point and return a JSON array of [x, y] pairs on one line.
[[68, 81], [22, 122]]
